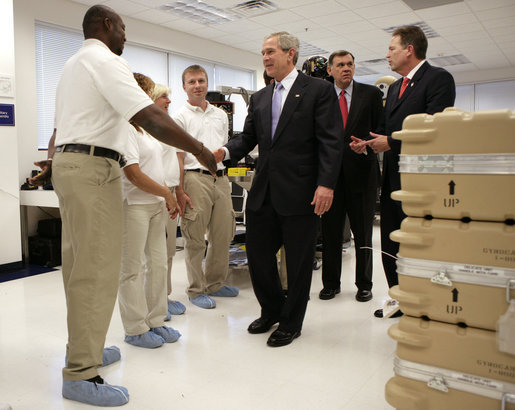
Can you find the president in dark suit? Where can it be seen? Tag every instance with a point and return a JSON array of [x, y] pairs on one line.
[[297, 126], [423, 89], [356, 190]]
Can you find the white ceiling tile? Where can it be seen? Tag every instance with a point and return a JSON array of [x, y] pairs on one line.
[[124, 7], [155, 16], [238, 26], [276, 18], [475, 35], [493, 14], [311, 36], [258, 34], [288, 4], [462, 28], [322, 8], [89, 2], [353, 29], [354, 4], [502, 31], [344, 17], [502, 22], [443, 11], [477, 5], [184, 25], [381, 10], [395, 20], [461, 67], [451, 21], [152, 3], [209, 32], [296, 26]]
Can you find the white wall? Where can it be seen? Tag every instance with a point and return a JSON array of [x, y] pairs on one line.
[[68, 14], [10, 237]]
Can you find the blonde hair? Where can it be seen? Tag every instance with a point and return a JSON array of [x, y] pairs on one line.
[[159, 91]]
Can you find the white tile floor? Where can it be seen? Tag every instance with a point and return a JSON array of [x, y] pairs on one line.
[[342, 360]]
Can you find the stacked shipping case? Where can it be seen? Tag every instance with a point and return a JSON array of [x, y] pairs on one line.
[[456, 263]]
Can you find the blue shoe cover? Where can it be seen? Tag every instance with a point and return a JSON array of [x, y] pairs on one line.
[[167, 333], [175, 307], [226, 292], [168, 317], [149, 340], [111, 355], [203, 301], [95, 394]]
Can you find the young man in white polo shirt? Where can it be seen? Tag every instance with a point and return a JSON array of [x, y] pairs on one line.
[[204, 200], [96, 97]]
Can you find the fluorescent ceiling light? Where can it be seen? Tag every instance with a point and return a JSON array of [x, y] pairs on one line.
[[199, 12]]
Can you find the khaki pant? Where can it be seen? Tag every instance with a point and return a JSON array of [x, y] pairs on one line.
[[212, 212], [171, 244], [142, 294], [90, 200]]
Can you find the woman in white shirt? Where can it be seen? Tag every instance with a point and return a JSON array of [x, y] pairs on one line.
[[172, 177], [142, 293]]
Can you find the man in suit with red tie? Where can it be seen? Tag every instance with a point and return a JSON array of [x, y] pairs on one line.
[[356, 190], [297, 126], [423, 89]]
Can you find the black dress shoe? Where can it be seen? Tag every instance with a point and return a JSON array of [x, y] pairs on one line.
[[282, 338], [261, 325], [363, 295], [326, 294], [379, 313]]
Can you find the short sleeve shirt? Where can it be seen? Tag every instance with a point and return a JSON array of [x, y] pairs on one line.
[[96, 96], [144, 150], [209, 127]]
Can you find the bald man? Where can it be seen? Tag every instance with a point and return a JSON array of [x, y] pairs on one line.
[[96, 97]]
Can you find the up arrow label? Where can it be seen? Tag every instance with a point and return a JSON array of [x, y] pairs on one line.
[[451, 187], [455, 295]]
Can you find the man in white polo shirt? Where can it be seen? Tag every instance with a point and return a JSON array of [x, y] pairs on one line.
[[205, 201], [96, 97]]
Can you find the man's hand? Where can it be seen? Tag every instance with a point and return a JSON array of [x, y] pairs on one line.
[[322, 200], [206, 158], [379, 143], [358, 145], [219, 154], [183, 200], [42, 178]]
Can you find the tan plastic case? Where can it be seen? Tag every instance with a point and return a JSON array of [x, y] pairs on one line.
[[455, 272], [464, 350], [421, 387], [458, 165]]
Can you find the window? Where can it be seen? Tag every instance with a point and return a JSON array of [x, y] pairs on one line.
[[55, 45]]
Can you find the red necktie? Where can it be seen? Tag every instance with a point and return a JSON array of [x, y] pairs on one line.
[[343, 107], [405, 82]]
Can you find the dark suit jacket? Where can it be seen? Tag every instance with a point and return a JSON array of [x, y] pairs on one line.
[[431, 90], [365, 115], [305, 152]]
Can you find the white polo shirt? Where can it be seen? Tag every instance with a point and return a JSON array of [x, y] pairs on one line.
[[210, 127], [171, 165], [96, 96], [143, 149]]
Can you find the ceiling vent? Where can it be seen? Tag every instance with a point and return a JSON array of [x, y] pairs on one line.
[[428, 31], [254, 8], [446, 61], [425, 4], [307, 49]]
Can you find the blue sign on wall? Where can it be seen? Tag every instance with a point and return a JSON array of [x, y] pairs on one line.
[[7, 114]]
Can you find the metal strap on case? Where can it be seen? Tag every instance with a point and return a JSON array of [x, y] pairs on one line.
[[492, 164], [445, 273], [444, 379]]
